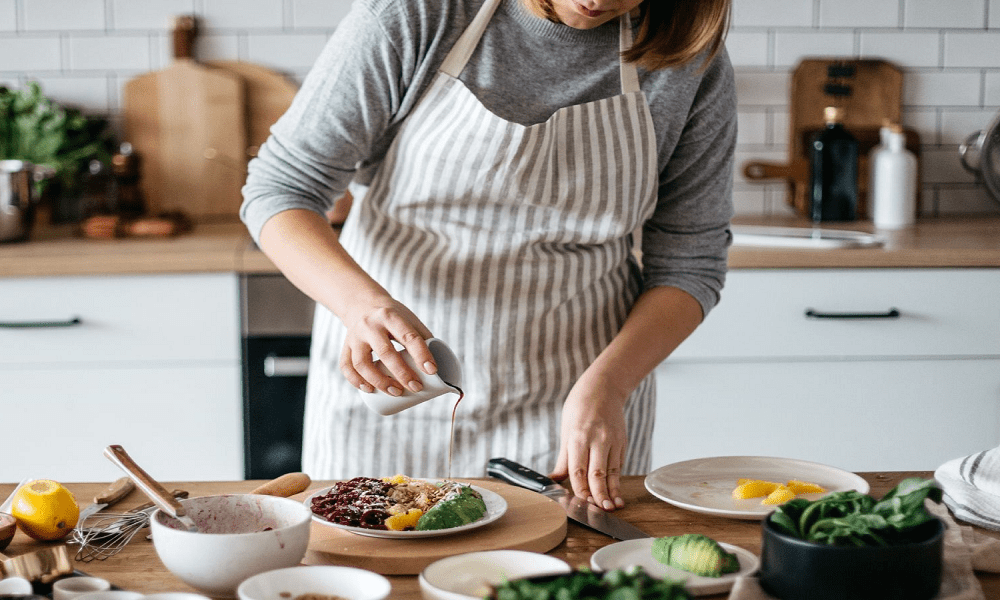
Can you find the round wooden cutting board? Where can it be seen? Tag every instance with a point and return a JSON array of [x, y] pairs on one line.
[[532, 522]]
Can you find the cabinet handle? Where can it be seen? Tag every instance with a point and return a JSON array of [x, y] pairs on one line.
[[278, 366], [892, 313], [71, 322]]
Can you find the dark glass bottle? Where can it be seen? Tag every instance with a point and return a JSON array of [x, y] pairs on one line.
[[834, 171]]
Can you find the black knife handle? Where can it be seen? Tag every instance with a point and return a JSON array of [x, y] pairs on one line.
[[517, 474]]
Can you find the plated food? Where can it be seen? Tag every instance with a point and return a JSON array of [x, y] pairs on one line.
[[705, 485], [401, 506], [631, 553]]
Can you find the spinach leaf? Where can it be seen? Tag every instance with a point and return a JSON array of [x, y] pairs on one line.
[[851, 518], [583, 584]]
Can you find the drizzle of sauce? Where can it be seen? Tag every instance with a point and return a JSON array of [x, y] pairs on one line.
[[451, 434]]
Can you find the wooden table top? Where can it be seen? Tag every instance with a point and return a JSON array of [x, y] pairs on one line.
[[138, 568]]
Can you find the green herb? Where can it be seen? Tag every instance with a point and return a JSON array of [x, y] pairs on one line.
[[618, 584], [854, 519], [35, 129]]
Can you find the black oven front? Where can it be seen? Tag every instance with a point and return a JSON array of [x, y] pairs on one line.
[[277, 324]]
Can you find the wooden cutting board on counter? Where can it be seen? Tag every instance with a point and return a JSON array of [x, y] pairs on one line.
[[532, 522], [188, 125], [268, 96], [869, 91]]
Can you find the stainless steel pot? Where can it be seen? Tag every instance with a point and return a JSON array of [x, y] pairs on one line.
[[18, 197], [980, 154]]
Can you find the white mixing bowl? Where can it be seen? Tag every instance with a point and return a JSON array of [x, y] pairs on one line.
[[239, 535]]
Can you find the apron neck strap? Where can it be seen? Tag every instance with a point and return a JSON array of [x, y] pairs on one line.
[[466, 45], [629, 73]]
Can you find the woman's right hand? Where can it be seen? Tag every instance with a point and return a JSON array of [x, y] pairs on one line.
[[372, 326]]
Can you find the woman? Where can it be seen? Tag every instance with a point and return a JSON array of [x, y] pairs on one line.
[[501, 154]]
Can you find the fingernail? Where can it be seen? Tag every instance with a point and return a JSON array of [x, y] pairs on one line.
[[416, 386], [619, 502], [367, 388], [430, 368], [394, 391], [591, 499], [608, 505]]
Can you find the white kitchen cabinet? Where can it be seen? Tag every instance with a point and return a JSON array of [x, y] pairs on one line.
[[153, 364], [905, 392]]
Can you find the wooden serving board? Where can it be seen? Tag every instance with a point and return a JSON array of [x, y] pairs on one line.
[[532, 522], [188, 124], [268, 96], [870, 93]]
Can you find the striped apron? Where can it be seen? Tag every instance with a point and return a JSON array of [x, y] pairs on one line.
[[512, 243]]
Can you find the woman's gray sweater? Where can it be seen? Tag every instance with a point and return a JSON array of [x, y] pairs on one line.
[[385, 53]]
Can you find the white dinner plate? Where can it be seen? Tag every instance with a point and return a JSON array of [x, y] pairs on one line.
[[705, 485], [623, 555], [496, 506]]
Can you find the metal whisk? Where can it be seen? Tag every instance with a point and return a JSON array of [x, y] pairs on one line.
[[105, 534]]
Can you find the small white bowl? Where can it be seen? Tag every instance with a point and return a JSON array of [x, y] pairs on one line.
[[239, 536], [469, 576], [343, 582]]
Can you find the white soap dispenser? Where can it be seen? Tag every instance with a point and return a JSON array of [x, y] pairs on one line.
[[893, 181]]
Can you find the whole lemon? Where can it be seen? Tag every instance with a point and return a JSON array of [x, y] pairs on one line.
[[45, 510]]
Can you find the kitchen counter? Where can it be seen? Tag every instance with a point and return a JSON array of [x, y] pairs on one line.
[[226, 247], [138, 568]]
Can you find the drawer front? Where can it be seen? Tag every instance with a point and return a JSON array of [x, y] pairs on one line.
[[179, 423], [120, 319], [905, 415], [763, 315]]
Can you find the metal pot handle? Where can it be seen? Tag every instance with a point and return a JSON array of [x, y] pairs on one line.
[[973, 143]]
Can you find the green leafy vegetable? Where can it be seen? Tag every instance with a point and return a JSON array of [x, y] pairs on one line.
[[854, 519], [618, 584], [35, 129]]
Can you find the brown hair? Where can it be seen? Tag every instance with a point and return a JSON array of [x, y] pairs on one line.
[[671, 32]]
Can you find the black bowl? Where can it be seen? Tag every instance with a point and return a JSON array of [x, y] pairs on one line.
[[796, 569]]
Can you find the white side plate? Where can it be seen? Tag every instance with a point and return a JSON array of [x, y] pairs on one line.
[[705, 485]]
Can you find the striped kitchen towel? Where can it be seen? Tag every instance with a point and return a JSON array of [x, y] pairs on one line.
[[972, 488]]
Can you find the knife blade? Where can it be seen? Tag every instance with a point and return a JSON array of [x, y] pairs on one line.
[[578, 510], [115, 492]]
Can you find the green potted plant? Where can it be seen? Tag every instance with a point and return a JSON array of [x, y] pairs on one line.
[[35, 129]]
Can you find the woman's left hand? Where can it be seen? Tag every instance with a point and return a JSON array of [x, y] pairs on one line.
[[592, 442]]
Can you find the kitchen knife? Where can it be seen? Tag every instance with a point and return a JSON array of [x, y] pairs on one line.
[[115, 492], [581, 511]]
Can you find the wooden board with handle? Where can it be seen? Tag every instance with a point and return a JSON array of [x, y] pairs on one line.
[[532, 522], [870, 93], [188, 124], [268, 96]]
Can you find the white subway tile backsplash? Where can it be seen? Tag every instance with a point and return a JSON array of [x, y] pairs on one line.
[[747, 49], [772, 13], [289, 52], [319, 13], [859, 13], [906, 49], [780, 120], [752, 128], [30, 53], [994, 14], [754, 88], [63, 15], [943, 165], [924, 121], [154, 15], [961, 88], [90, 93], [8, 15], [749, 202], [266, 14], [218, 47], [109, 53], [957, 125], [991, 95], [938, 14], [968, 200], [978, 49], [790, 48]]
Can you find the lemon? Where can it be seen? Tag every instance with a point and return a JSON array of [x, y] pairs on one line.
[[45, 510]]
